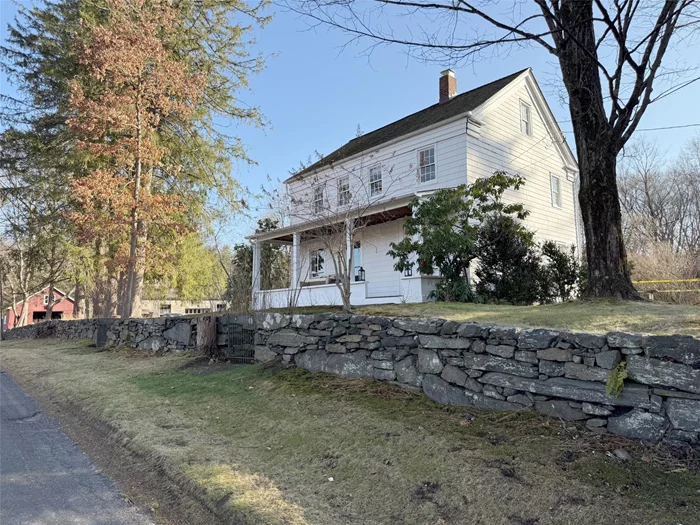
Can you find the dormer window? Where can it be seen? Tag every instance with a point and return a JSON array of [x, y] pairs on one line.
[[426, 164], [525, 119]]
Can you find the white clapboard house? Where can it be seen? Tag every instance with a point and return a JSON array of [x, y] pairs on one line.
[[503, 125]]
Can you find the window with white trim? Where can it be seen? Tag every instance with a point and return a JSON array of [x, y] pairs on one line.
[[47, 298], [343, 191], [426, 164], [375, 181], [525, 120], [316, 260], [317, 202], [555, 188]]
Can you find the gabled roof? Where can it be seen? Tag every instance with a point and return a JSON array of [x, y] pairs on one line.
[[56, 290], [426, 117]]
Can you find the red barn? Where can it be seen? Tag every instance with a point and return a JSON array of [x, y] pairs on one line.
[[36, 305]]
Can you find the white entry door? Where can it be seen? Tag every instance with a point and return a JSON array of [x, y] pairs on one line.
[[382, 279]]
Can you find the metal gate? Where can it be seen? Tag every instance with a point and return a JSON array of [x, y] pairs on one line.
[[240, 339]]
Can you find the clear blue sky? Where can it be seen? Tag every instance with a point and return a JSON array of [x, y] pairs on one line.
[[315, 95]]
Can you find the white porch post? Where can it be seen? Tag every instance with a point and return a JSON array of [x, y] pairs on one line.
[[256, 272], [296, 241], [348, 246]]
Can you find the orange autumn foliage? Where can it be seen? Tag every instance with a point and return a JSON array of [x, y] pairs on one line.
[[134, 85]]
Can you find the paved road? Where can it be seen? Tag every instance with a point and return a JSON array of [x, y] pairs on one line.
[[44, 478]]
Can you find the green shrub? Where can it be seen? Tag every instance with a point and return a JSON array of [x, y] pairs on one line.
[[561, 272], [616, 380]]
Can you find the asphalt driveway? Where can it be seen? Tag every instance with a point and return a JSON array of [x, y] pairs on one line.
[[44, 478]]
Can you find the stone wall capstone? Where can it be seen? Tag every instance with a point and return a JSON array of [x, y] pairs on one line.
[[558, 373]]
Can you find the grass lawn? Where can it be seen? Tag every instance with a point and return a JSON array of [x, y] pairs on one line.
[[290, 447], [589, 316]]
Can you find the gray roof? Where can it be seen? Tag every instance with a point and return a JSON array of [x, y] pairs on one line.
[[426, 117]]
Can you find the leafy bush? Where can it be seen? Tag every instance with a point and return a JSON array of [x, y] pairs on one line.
[[561, 272], [509, 265]]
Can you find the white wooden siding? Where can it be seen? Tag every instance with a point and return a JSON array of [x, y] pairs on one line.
[[382, 279], [502, 146], [399, 162]]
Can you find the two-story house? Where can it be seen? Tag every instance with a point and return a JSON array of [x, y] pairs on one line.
[[503, 125]]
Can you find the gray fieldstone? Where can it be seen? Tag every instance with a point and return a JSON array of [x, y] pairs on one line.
[[441, 391], [449, 328], [638, 424], [592, 392], [623, 340], [520, 399], [336, 348], [181, 333], [595, 410], [555, 354], [681, 436], [664, 392], [536, 339], [418, 325], [680, 348], [560, 409], [290, 338], [356, 364], [470, 330], [152, 344], [382, 355], [551, 368], [585, 373], [408, 341], [505, 351], [301, 321], [384, 365], [589, 361], [577, 359], [684, 414], [483, 401], [395, 332], [526, 356], [503, 333], [429, 362], [406, 371], [498, 364], [473, 385], [350, 338], [275, 321], [656, 372], [436, 341], [384, 375], [591, 341], [608, 359], [490, 391], [478, 346], [454, 375], [263, 354]]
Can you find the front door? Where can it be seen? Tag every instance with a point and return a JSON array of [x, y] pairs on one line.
[[382, 279]]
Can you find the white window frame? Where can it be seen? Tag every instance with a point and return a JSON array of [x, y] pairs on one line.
[[313, 261], [375, 181], [317, 198], [344, 194], [527, 122], [421, 174], [46, 298], [556, 201]]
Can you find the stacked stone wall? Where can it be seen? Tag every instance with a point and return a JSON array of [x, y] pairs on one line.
[[557, 373]]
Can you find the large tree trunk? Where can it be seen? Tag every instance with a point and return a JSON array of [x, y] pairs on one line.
[[597, 147]]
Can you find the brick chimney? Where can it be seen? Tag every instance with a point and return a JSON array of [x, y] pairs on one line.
[[448, 85]]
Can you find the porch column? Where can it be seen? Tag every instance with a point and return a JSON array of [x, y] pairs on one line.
[[256, 272], [296, 241], [348, 246]]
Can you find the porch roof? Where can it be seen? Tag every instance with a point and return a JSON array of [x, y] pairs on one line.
[[387, 211]]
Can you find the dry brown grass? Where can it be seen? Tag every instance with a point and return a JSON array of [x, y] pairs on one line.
[[264, 443]]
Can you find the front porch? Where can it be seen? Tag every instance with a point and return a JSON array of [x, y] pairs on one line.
[[312, 268]]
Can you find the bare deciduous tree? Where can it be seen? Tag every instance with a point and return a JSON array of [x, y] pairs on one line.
[[611, 55]]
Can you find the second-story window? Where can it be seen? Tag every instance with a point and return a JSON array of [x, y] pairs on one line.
[[317, 202], [343, 191], [426, 164], [375, 181]]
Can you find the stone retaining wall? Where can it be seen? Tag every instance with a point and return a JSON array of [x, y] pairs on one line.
[[163, 334], [560, 374]]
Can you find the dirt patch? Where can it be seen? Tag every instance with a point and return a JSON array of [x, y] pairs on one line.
[[140, 478]]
